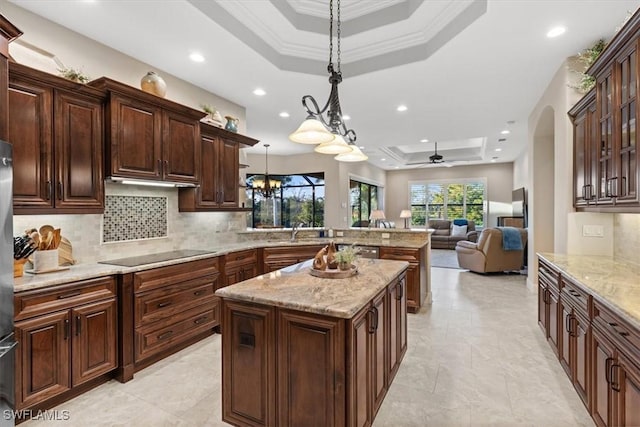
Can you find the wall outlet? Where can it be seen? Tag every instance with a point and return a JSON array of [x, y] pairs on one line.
[[592, 231], [340, 233], [386, 235]]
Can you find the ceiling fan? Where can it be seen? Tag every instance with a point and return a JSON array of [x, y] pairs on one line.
[[435, 157]]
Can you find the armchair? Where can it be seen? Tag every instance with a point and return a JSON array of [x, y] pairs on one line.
[[488, 256]]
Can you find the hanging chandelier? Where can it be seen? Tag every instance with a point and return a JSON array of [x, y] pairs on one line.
[[268, 186], [329, 132]]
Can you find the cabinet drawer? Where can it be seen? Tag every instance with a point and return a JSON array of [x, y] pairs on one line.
[[550, 274], [162, 335], [236, 259], [402, 254], [575, 296], [163, 276], [616, 329], [42, 301], [171, 300]]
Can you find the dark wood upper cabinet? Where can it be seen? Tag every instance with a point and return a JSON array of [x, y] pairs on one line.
[[56, 128], [606, 173], [8, 33], [219, 174], [149, 137]]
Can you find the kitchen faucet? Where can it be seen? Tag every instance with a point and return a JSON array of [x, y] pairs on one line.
[[294, 230]]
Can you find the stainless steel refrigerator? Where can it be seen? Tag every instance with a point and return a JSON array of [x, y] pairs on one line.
[[7, 340]]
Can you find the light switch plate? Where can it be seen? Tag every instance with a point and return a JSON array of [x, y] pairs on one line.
[[592, 231], [386, 235], [340, 233]]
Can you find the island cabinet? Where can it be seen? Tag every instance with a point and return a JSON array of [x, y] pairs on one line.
[[284, 366], [548, 303], [67, 336], [149, 137], [219, 175], [165, 309], [283, 256], [56, 128], [416, 274], [239, 266]]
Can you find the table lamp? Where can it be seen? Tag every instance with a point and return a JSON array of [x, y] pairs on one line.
[[376, 216], [405, 214]]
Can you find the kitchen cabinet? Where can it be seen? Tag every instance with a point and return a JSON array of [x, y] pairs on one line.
[[56, 128], [8, 33], [548, 303], [610, 180], [67, 337], [416, 274], [239, 266], [219, 176], [172, 307], [283, 256], [397, 297], [149, 137]]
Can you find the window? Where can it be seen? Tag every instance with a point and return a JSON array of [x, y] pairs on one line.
[[364, 199], [300, 199], [447, 200]]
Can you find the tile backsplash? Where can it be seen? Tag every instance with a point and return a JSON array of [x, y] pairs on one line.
[[188, 230], [134, 218], [626, 235]]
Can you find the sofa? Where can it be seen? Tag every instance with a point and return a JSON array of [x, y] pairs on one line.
[[443, 236], [488, 255]]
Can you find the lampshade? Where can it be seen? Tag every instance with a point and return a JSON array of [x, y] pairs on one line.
[[355, 155], [405, 213], [311, 131], [337, 146], [377, 214]]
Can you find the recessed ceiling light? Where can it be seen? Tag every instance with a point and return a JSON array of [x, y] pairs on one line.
[[397, 167], [284, 114], [424, 140], [196, 57], [402, 108], [556, 31], [493, 160], [498, 149], [505, 132], [382, 160], [346, 117], [362, 147], [259, 92]]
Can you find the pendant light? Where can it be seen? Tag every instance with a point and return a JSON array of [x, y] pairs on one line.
[[355, 155], [268, 186]]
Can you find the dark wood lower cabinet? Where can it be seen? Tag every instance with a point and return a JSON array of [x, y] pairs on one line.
[[629, 394], [602, 409], [397, 299]]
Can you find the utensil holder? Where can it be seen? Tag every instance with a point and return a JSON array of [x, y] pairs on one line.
[[45, 260], [18, 267]]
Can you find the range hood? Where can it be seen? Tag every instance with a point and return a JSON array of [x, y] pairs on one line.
[[150, 183]]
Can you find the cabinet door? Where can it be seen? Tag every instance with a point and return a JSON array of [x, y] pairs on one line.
[[580, 129], [94, 340], [43, 358], [581, 359], [248, 364], [359, 397], [31, 133], [566, 340], [228, 167], [602, 409], [379, 351], [629, 396], [181, 147], [311, 367], [626, 158], [207, 192], [78, 124], [605, 153], [135, 139], [554, 337], [413, 287], [248, 271], [232, 276], [543, 308]]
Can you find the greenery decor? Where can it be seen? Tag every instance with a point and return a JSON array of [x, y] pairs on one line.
[[74, 75], [346, 255], [209, 109], [588, 57]]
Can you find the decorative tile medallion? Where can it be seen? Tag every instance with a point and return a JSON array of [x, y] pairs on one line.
[[134, 218]]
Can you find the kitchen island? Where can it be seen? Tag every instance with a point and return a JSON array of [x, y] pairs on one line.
[[303, 350]]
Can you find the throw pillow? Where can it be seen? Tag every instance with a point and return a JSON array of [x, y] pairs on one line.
[[459, 231]]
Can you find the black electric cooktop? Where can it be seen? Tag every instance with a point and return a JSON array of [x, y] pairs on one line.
[[135, 261]]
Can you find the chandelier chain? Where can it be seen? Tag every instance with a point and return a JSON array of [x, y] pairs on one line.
[[338, 36], [330, 33]]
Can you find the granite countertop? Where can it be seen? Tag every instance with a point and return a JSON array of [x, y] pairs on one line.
[[613, 282], [93, 270], [293, 287]]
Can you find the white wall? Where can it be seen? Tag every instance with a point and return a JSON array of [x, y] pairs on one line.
[[521, 170], [499, 178]]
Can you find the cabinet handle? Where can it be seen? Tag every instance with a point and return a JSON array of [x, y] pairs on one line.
[[164, 304], [165, 335], [49, 189], [369, 314], [200, 320], [166, 166], [584, 192], [609, 192], [615, 386], [607, 370], [573, 327], [78, 325], [545, 296], [198, 293], [614, 324], [399, 291], [590, 187], [69, 295], [567, 325], [624, 186], [60, 190], [66, 329], [624, 334]]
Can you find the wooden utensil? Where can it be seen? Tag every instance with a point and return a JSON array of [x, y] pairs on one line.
[[45, 229], [56, 239]]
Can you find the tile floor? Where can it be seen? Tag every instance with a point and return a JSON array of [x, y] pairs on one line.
[[476, 357]]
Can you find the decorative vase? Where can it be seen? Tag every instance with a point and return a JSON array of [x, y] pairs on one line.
[[332, 263], [344, 266], [154, 84], [232, 124]]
